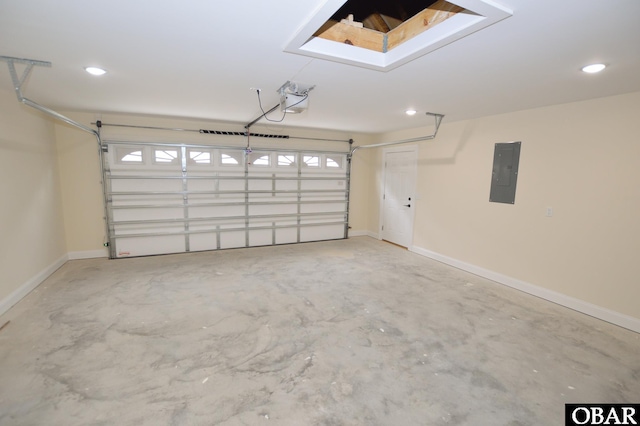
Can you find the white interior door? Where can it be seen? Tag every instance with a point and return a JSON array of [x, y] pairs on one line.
[[399, 199]]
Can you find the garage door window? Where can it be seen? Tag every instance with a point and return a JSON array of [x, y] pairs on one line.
[[335, 162], [165, 156], [259, 159], [286, 160], [129, 155], [311, 160], [199, 157], [230, 158]]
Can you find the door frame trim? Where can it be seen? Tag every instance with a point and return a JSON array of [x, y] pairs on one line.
[[385, 151]]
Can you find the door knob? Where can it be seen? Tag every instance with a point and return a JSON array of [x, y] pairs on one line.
[[407, 205]]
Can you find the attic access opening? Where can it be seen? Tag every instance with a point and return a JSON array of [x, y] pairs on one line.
[[408, 38], [383, 25]]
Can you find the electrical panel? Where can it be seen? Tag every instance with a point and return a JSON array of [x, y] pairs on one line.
[[506, 158]]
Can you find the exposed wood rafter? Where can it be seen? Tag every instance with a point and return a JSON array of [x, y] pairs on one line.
[[375, 21], [428, 18], [349, 34], [381, 33]]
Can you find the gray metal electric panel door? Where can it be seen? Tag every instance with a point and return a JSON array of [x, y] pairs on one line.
[[506, 158]]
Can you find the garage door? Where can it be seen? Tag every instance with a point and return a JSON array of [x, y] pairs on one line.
[[172, 198]]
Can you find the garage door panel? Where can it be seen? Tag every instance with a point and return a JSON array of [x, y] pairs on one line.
[[232, 184], [128, 247], [203, 241], [234, 239], [318, 233], [219, 198], [332, 184], [216, 211], [215, 197], [323, 207], [162, 227], [262, 237], [146, 185], [261, 185], [146, 201], [286, 185], [202, 185], [286, 235], [120, 215], [275, 209]]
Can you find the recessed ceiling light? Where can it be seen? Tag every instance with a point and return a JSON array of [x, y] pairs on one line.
[[95, 70], [593, 68], [410, 112]]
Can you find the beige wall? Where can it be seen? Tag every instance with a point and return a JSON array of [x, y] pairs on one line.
[[81, 187], [581, 159], [362, 169], [32, 236], [80, 166]]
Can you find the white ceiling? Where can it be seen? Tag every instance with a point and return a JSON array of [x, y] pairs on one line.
[[199, 59]]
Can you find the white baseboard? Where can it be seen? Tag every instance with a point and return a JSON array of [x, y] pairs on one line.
[[34, 282], [88, 254], [595, 311], [590, 309], [29, 286], [362, 234]]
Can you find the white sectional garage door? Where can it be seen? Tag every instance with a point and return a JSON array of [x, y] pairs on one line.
[[172, 198]]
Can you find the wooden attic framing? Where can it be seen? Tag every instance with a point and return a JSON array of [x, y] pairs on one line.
[[380, 32]]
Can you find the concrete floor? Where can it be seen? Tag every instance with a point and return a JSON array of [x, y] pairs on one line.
[[350, 332]]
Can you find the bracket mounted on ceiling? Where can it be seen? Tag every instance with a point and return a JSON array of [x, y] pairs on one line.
[[18, 83], [437, 120]]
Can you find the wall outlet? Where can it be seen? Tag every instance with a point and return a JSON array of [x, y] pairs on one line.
[[549, 212]]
